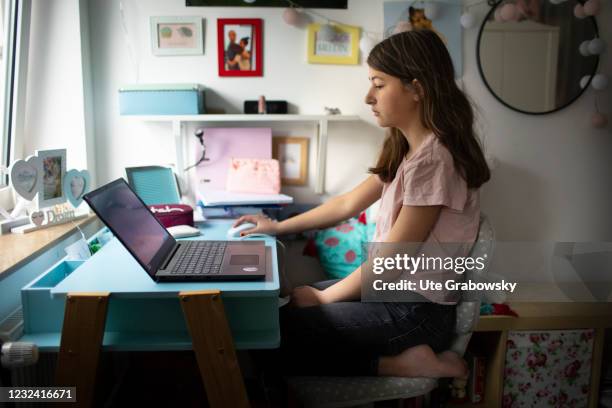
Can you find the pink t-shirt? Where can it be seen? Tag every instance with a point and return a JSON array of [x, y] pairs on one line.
[[430, 178]]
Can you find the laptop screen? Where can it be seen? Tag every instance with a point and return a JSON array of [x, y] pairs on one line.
[[132, 223]]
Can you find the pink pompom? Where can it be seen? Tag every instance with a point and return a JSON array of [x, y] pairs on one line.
[[579, 11], [497, 15], [592, 7], [291, 16], [509, 12], [599, 120]]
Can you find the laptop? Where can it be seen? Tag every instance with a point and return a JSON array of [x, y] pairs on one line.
[[164, 258]]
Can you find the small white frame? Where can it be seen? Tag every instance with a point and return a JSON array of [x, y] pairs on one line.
[[44, 199], [194, 21]]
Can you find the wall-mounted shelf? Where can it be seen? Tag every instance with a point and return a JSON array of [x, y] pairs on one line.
[[178, 131]]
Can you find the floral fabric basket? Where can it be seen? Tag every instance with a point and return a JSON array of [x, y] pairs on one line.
[[548, 368]]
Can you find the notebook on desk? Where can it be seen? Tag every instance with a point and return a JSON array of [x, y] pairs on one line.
[[213, 198], [160, 254]]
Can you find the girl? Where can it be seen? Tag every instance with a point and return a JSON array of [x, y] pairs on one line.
[[427, 177]]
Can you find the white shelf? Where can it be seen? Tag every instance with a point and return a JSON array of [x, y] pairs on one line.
[[178, 132], [244, 118]]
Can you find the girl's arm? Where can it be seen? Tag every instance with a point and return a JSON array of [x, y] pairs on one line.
[[330, 213], [413, 224]]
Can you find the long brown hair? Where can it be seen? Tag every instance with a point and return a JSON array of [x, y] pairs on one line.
[[446, 110]]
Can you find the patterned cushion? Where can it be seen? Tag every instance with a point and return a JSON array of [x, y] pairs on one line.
[[341, 248], [348, 391]]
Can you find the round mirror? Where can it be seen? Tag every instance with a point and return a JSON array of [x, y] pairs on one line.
[[534, 55]]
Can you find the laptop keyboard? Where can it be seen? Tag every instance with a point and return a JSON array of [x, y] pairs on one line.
[[200, 258]]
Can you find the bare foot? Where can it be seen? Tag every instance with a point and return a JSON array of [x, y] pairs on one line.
[[421, 361], [454, 364]]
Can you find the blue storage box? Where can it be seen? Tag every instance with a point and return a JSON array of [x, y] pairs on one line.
[[162, 99]]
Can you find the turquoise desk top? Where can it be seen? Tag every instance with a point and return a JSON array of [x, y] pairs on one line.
[[114, 270], [145, 315]]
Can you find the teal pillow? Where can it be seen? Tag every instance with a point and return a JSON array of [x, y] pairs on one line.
[[340, 248]]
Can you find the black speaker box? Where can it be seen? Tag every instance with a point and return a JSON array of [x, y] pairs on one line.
[[273, 107]]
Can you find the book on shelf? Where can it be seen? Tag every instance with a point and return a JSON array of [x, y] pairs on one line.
[[476, 380]]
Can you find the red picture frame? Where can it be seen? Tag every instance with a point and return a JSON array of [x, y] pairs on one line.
[[240, 47]]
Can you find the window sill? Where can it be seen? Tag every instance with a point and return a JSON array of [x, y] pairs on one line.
[[18, 249]]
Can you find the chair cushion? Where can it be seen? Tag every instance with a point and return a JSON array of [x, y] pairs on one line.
[[348, 391]]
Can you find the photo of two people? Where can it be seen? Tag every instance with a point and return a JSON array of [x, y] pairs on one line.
[[238, 48]]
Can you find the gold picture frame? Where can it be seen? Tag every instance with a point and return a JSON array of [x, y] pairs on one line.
[[343, 49], [292, 155]]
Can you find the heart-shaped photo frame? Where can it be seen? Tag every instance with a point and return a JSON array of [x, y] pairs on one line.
[[25, 177], [37, 218], [76, 184]]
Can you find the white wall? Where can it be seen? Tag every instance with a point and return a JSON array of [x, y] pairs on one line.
[[554, 176], [123, 142]]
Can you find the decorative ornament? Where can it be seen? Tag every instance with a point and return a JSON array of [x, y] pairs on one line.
[[579, 11], [76, 184], [509, 12], [584, 48], [25, 176], [497, 15], [599, 82], [366, 44], [291, 16], [597, 46], [37, 218], [468, 20], [592, 7]]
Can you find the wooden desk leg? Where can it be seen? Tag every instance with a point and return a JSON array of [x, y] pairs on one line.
[[81, 343], [214, 348], [598, 346]]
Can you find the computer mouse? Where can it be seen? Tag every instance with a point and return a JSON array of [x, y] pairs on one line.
[[235, 232]]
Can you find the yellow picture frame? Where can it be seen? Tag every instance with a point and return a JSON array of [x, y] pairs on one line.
[[327, 56]]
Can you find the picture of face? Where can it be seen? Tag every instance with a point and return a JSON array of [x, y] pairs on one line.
[[52, 177], [239, 50]]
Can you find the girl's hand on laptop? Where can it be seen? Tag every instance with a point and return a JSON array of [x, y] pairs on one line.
[[263, 225]]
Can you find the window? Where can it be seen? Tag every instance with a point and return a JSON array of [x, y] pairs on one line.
[[8, 36]]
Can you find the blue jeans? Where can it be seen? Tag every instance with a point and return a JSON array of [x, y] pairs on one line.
[[347, 338]]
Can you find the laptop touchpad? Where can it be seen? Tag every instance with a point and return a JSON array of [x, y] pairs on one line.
[[244, 260]]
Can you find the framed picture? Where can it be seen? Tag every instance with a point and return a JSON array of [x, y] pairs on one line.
[[53, 169], [240, 46], [292, 155], [447, 23], [343, 48], [327, 4], [177, 35]]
